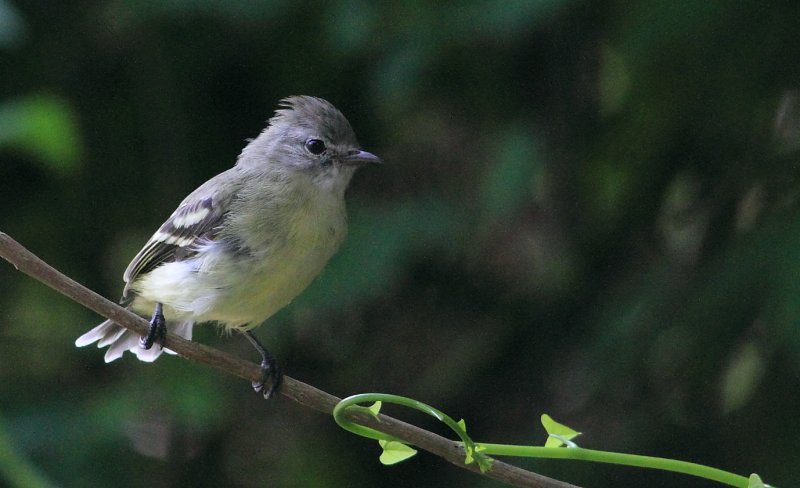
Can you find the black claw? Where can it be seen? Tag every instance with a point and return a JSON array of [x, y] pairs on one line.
[[156, 331], [271, 379], [271, 375]]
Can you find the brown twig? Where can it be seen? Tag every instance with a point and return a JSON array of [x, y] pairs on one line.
[[298, 391]]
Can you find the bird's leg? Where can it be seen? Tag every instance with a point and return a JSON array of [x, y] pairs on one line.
[[156, 331], [270, 373]]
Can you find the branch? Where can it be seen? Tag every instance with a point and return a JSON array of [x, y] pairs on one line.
[[307, 395]]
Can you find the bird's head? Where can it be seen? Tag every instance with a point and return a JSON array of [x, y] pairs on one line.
[[309, 135]]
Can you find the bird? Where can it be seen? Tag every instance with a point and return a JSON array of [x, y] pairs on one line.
[[246, 242]]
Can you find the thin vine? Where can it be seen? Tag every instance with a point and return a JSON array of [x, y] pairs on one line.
[[559, 444]]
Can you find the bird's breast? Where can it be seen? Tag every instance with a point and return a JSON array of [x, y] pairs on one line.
[[280, 267], [255, 267]]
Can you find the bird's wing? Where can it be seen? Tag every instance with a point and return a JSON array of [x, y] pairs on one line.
[[198, 216]]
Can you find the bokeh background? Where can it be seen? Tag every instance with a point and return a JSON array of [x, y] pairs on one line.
[[588, 209]]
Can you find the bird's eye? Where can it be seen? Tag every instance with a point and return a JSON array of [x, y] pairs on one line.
[[315, 146]]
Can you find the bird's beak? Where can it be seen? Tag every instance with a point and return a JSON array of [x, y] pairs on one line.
[[360, 158]]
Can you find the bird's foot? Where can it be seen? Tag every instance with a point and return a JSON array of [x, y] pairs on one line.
[[156, 331], [271, 378]]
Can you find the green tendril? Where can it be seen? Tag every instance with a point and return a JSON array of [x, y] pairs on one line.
[[559, 435], [351, 404]]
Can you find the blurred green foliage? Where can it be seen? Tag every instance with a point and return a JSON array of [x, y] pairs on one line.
[[587, 208], [45, 129]]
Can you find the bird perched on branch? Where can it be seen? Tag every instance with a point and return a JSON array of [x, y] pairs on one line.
[[246, 242]]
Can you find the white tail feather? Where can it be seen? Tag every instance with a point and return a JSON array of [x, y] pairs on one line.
[[120, 339]]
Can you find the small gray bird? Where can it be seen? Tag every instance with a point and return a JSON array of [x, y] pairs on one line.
[[246, 242]]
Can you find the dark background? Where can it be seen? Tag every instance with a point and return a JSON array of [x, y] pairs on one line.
[[588, 209]]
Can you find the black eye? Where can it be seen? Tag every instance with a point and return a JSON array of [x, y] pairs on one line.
[[315, 146]]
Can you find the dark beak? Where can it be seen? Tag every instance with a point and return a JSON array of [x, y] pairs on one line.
[[360, 158]]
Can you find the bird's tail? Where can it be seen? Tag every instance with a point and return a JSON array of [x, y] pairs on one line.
[[119, 339]]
